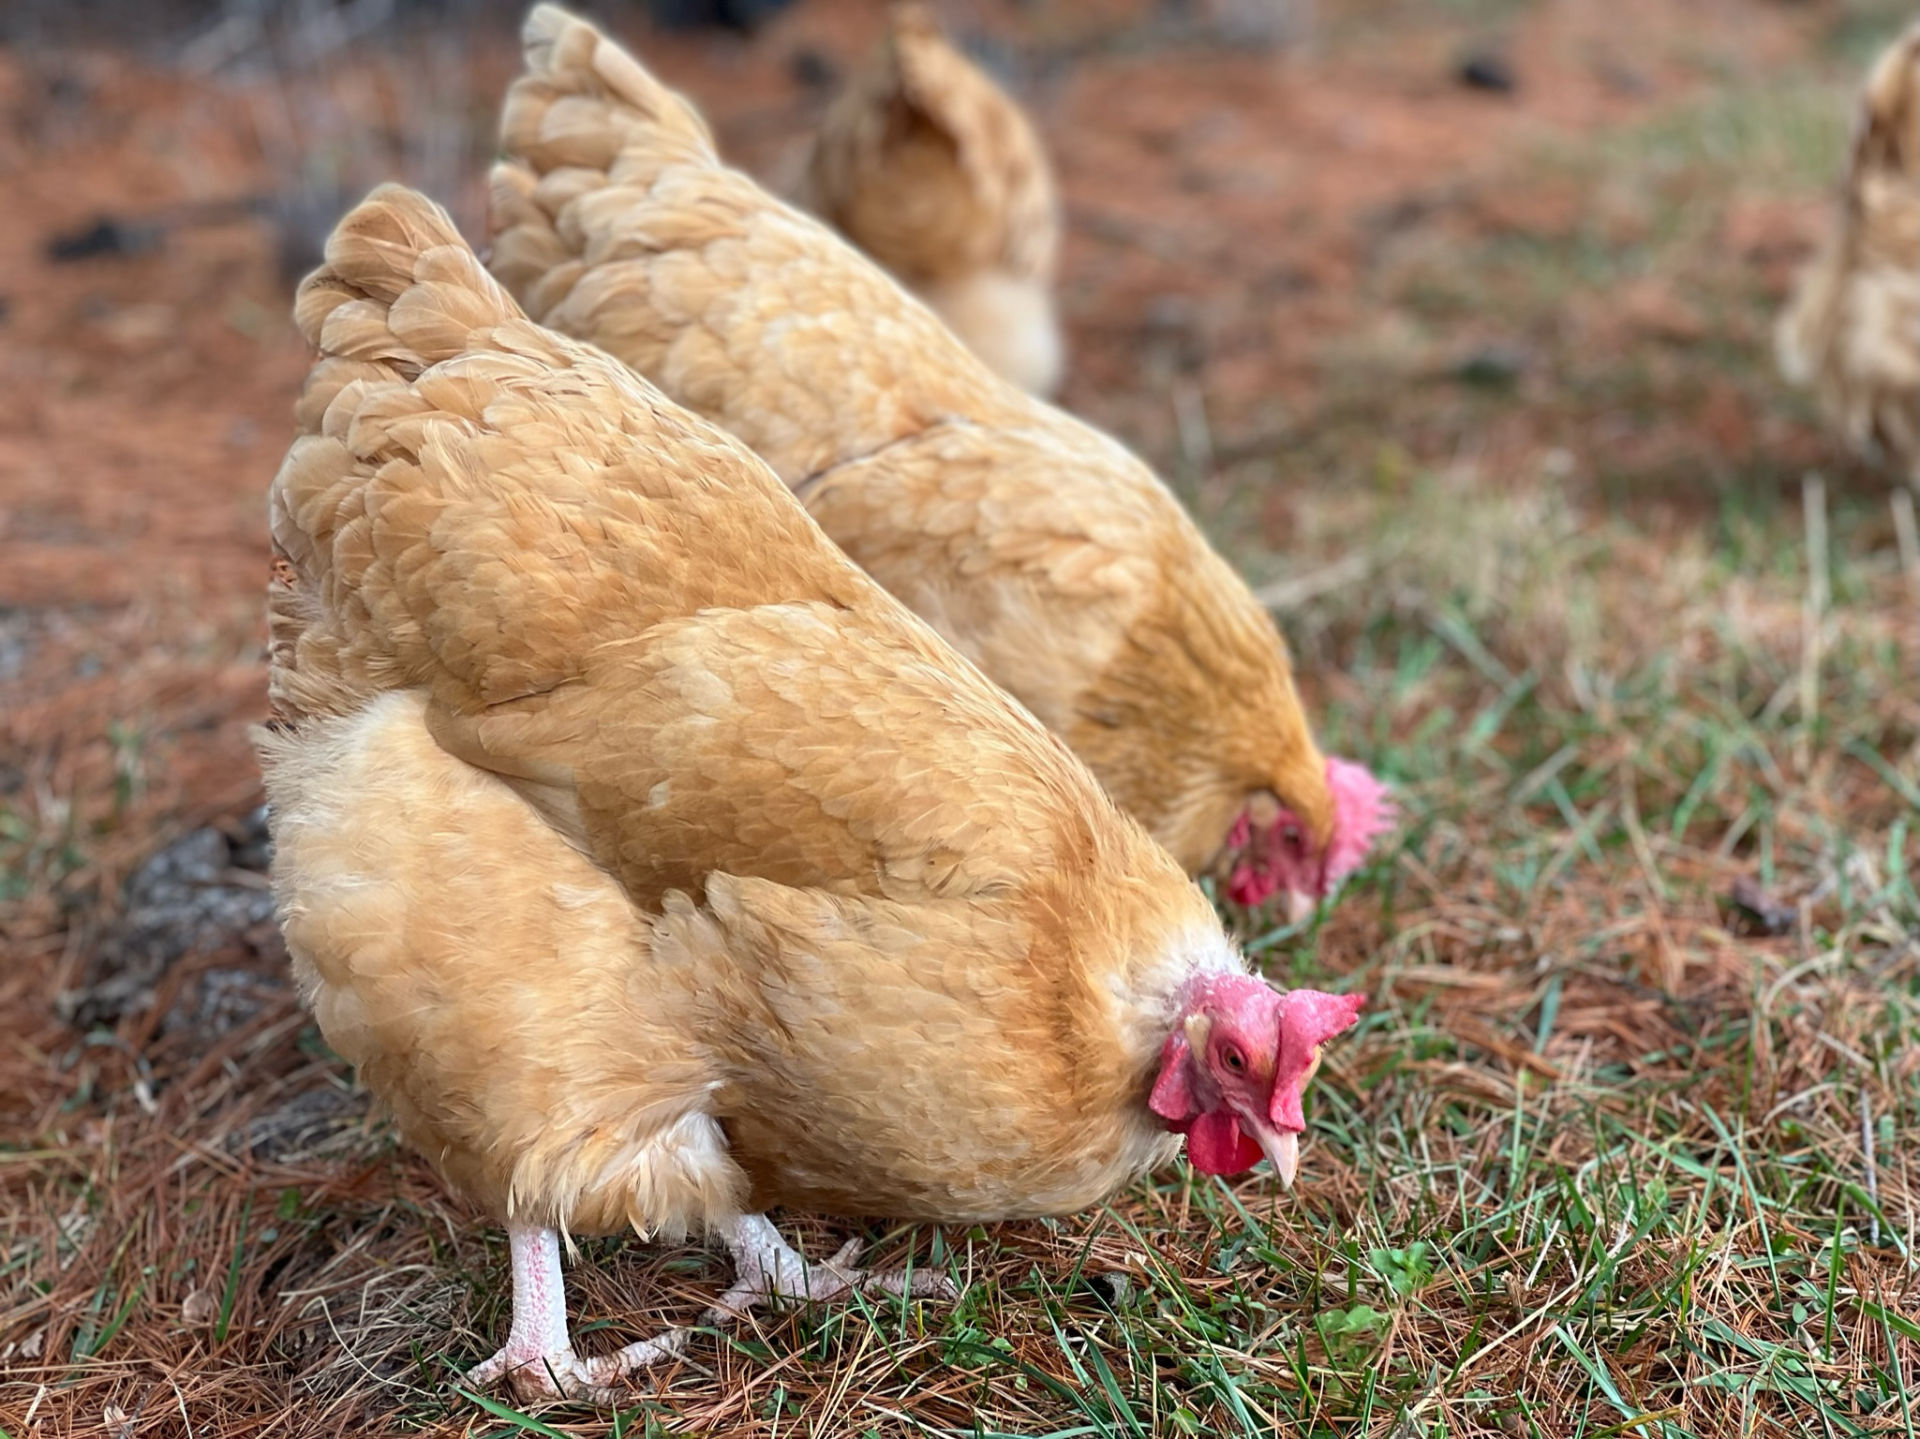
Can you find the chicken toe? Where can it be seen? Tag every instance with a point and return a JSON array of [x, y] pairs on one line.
[[768, 1269], [538, 1361], [562, 1374]]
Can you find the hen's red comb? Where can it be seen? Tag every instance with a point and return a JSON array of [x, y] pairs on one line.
[[1362, 812], [1308, 1019]]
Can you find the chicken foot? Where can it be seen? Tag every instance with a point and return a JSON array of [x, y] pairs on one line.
[[768, 1269], [538, 1360]]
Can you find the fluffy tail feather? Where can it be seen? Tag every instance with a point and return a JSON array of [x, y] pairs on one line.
[[1849, 330], [584, 100], [446, 437], [615, 223], [399, 292], [581, 104]]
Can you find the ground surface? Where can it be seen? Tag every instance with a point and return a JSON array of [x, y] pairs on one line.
[[1478, 382]]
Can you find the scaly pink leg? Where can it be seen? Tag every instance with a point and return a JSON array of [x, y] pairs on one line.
[[537, 1360]]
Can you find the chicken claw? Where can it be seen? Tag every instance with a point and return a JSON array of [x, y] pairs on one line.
[[562, 1374], [767, 1269], [538, 1361]]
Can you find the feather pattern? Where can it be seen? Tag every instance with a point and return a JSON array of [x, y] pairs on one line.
[[647, 858]]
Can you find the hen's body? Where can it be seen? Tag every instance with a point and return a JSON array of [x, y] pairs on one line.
[[1853, 328], [933, 170], [1039, 547], [638, 848]]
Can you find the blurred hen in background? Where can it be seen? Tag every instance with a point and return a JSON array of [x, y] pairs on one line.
[[1852, 331], [931, 168]]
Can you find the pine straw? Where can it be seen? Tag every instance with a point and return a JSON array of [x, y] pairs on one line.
[[1603, 1158]]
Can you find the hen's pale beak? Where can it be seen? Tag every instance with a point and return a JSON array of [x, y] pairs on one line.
[[1300, 906], [1282, 1147]]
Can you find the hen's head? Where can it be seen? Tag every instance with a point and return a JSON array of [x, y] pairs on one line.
[[1237, 1065], [1270, 851]]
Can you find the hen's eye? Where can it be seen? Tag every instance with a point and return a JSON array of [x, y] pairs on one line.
[[1234, 1060], [1291, 834]]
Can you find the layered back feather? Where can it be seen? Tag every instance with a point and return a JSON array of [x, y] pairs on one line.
[[1038, 546], [1852, 330]]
